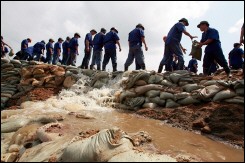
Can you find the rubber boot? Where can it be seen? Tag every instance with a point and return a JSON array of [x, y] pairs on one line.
[[143, 66], [114, 67], [125, 68], [160, 68], [103, 67]]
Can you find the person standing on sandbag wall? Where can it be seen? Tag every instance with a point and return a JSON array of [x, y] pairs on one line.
[[88, 48], [73, 50], [172, 45], [135, 39], [4, 49], [24, 49], [57, 51], [236, 56], [38, 50], [65, 47], [49, 51], [213, 50], [110, 41], [97, 49]]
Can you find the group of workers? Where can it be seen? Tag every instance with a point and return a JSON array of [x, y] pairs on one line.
[[173, 52]]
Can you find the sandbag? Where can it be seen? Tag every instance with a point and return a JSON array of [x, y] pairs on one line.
[[225, 94], [135, 77], [155, 79], [181, 95], [142, 89], [134, 102], [191, 87], [166, 83], [125, 94], [99, 147], [14, 125], [210, 82], [188, 100], [174, 77], [240, 91], [235, 100], [158, 101], [11, 53], [149, 105], [196, 51], [210, 91], [152, 93], [166, 95], [171, 104], [136, 156]]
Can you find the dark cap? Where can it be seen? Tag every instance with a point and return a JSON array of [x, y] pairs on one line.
[[236, 44], [93, 30], [51, 40], [77, 34], [68, 38], [184, 20], [203, 22], [140, 26], [113, 28], [28, 39], [60, 39], [103, 30], [43, 42]]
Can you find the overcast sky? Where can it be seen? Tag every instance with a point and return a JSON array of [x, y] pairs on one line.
[[44, 20]]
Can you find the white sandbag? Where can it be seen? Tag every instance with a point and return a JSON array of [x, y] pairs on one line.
[[152, 93], [149, 105], [171, 104], [210, 91], [136, 156], [166, 95], [225, 94], [14, 124], [99, 147]]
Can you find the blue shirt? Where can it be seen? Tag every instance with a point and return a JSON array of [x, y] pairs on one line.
[[134, 37], [211, 33], [98, 41], [175, 33], [89, 38], [191, 64], [49, 45], [6, 50], [72, 45], [235, 56], [38, 47], [65, 47], [110, 40], [57, 46], [23, 43]]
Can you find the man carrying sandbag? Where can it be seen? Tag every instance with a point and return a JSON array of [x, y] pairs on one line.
[[213, 50]]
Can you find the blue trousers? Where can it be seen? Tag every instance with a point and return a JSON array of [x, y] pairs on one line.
[[211, 56], [55, 59], [136, 53], [72, 59], [97, 58], [86, 58], [170, 49], [64, 59], [49, 58], [110, 54]]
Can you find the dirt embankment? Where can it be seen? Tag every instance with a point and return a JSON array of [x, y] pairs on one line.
[[225, 121]]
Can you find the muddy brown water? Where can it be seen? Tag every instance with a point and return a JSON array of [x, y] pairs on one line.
[[173, 141]]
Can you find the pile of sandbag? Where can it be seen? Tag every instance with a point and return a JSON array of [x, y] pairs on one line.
[[144, 89]]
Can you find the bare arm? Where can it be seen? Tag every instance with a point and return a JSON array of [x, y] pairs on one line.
[[6, 44], [87, 45], [118, 43], [143, 40], [183, 49], [188, 34]]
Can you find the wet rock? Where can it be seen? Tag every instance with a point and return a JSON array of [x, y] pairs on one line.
[[206, 129]]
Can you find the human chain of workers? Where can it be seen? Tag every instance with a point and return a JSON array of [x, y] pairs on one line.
[[172, 58]]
